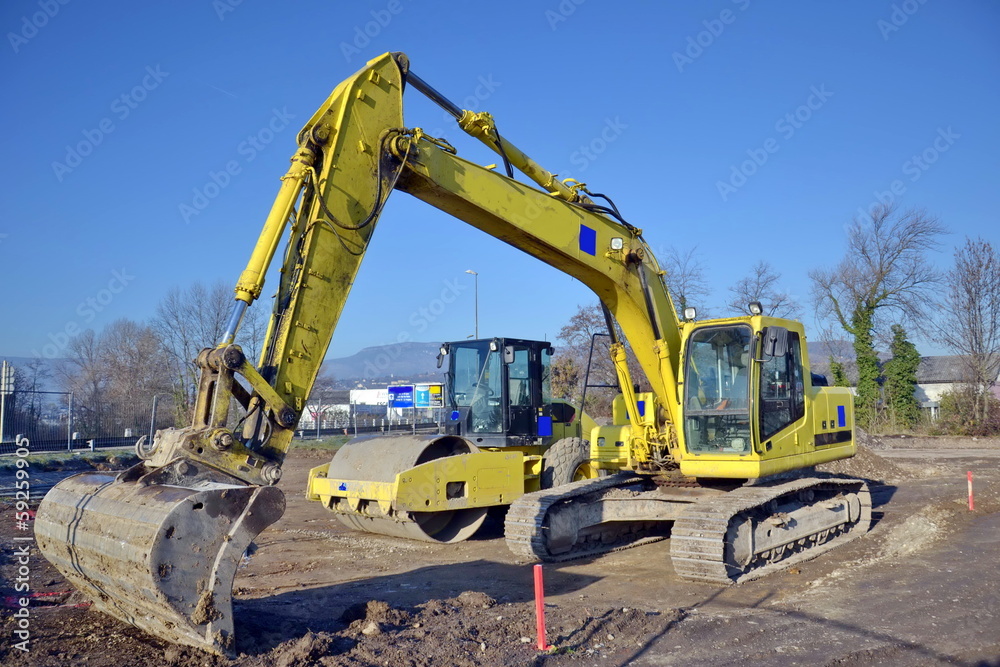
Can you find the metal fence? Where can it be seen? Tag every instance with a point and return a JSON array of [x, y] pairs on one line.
[[56, 420], [322, 421], [62, 421]]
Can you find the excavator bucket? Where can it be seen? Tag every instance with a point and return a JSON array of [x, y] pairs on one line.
[[158, 548]]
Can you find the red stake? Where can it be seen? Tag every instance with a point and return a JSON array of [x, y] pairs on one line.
[[543, 645], [972, 504]]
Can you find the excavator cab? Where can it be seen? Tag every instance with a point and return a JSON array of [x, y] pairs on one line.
[[499, 391], [751, 408]]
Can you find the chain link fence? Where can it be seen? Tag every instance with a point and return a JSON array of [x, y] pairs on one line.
[[56, 420]]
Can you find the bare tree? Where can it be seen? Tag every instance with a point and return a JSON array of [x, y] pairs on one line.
[[253, 329], [970, 323], [762, 286], [885, 272], [569, 366], [29, 378], [189, 320], [81, 371], [686, 281], [114, 376]]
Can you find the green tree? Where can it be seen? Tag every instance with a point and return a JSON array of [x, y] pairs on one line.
[[900, 385], [838, 374], [885, 271]]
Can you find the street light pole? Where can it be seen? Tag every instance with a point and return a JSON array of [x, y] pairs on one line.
[[477, 300]]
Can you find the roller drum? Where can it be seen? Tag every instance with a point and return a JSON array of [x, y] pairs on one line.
[[381, 459]]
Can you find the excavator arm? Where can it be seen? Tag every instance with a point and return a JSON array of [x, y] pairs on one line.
[[352, 154]]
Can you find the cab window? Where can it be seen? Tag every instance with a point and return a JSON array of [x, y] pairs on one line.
[[716, 390], [782, 392]]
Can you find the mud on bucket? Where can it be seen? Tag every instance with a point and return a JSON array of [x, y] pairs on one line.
[[157, 548]]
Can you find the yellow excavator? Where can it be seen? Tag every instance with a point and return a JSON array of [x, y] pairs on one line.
[[717, 454]]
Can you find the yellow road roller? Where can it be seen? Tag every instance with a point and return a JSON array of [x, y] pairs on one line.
[[504, 437]]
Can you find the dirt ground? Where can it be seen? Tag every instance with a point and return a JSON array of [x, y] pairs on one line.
[[922, 588]]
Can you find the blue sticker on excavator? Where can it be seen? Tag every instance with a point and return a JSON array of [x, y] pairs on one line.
[[588, 240], [841, 416]]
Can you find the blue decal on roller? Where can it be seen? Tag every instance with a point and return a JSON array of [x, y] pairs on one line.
[[544, 427], [588, 240], [841, 416]]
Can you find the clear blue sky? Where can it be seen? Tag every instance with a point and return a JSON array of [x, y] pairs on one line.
[[151, 98]]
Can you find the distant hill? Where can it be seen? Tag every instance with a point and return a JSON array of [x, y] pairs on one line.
[[407, 361], [821, 350]]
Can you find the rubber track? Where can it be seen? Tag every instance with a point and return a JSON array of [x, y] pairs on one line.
[[697, 540], [524, 527]]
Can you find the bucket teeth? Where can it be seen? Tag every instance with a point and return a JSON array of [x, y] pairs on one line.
[[157, 549]]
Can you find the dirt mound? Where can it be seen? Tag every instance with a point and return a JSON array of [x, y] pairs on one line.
[[470, 630], [305, 650], [916, 532], [374, 611], [872, 442], [866, 464]]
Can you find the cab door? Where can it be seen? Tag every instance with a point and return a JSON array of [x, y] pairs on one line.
[[522, 390]]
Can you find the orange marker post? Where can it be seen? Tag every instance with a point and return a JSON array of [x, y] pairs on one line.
[[972, 504], [543, 645]]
